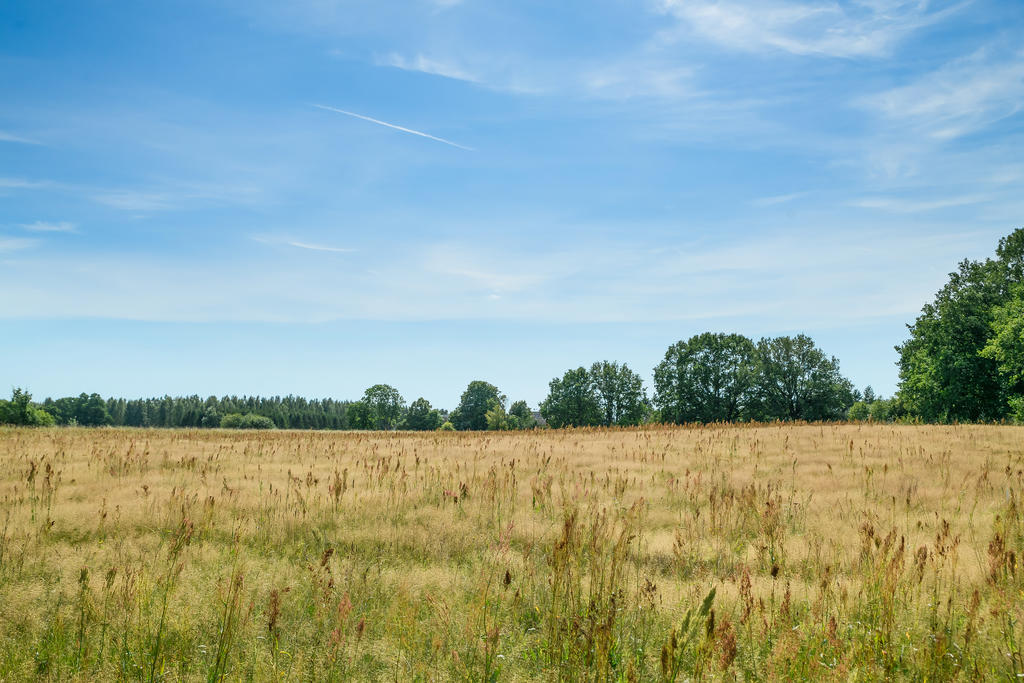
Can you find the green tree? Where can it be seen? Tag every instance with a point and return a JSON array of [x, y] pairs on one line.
[[521, 416], [572, 401], [859, 412], [883, 409], [620, 393], [247, 421], [1005, 346], [91, 411], [707, 378], [796, 381], [359, 415], [422, 417], [20, 411], [476, 400], [498, 419], [952, 368], [386, 406]]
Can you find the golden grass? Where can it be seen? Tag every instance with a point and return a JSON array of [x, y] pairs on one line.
[[840, 552]]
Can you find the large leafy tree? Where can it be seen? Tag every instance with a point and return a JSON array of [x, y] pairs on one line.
[[795, 380], [20, 411], [386, 406], [1006, 343], [707, 378], [478, 398], [421, 417], [572, 401], [950, 367], [520, 416], [620, 393], [91, 410], [359, 415], [1006, 347]]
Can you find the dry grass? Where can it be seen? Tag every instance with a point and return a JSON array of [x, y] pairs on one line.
[[834, 552]]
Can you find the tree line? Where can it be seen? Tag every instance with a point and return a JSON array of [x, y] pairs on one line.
[[963, 361], [711, 377]]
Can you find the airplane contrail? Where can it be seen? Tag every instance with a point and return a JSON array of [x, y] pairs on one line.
[[391, 125]]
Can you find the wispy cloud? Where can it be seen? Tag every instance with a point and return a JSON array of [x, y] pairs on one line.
[[44, 226], [427, 65], [22, 184], [130, 200], [394, 126], [778, 199], [16, 243], [629, 78], [11, 137], [319, 247], [905, 205], [853, 29], [170, 195], [288, 241], [960, 98]]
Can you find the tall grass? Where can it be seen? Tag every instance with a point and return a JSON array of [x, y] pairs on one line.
[[768, 552]]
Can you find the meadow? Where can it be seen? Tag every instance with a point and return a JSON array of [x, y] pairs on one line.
[[817, 551]]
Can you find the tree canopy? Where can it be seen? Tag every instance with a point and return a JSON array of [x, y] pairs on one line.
[[726, 377], [386, 406], [795, 380], [707, 378], [572, 400], [958, 364], [478, 398], [621, 398], [421, 416]]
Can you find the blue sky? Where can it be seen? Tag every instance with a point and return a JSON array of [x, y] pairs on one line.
[[186, 209]]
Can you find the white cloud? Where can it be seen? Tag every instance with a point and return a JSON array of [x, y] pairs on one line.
[[427, 65], [787, 279], [809, 27], [960, 98], [16, 243], [319, 247], [11, 137], [169, 196], [778, 199], [905, 205], [22, 184], [636, 78], [44, 226], [129, 200]]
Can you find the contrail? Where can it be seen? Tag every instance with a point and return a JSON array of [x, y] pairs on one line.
[[391, 125]]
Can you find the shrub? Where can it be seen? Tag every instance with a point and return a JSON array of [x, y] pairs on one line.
[[247, 421], [446, 427], [20, 411], [859, 412]]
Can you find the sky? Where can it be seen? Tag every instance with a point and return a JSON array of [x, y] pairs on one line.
[[311, 197]]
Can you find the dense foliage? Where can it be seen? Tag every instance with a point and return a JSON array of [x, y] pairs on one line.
[[20, 411], [606, 394], [708, 378], [478, 398], [963, 360], [248, 421], [726, 377]]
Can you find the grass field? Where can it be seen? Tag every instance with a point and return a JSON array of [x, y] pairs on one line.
[[840, 552]]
